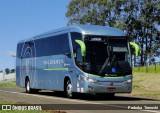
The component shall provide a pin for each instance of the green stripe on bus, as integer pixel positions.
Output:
(55, 69)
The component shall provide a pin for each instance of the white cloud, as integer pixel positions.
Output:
(11, 53)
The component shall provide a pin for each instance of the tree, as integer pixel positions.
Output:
(149, 14)
(96, 12)
(12, 71)
(138, 18)
(7, 70)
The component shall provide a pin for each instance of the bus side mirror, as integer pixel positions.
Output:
(135, 48)
(82, 46)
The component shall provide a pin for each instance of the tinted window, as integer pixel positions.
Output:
(19, 47)
(29, 49)
(26, 50)
(118, 42)
(75, 36)
(52, 45)
(44, 47)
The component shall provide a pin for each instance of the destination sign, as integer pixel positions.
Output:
(96, 39)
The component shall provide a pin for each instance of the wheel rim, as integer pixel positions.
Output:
(28, 86)
(69, 90)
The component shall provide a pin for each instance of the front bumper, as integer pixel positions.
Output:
(96, 84)
(109, 87)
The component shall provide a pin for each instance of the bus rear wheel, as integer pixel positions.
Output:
(29, 89)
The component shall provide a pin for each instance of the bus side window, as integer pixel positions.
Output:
(19, 49)
(74, 52)
(79, 58)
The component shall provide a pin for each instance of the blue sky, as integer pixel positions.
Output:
(21, 19)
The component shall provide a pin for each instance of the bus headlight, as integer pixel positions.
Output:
(91, 80)
(129, 80)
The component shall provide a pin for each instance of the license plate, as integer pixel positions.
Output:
(111, 89)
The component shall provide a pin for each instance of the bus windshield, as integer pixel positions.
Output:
(103, 52)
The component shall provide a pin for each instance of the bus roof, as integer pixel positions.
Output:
(98, 30)
(84, 29)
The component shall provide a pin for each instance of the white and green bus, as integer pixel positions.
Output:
(76, 59)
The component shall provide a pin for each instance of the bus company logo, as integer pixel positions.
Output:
(52, 61)
(6, 107)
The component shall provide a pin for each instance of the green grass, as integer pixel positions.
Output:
(8, 85)
(5, 102)
(146, 84)
(151, 69)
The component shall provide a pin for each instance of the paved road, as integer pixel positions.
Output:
(81, 103)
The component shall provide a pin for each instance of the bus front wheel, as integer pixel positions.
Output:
(68, 89)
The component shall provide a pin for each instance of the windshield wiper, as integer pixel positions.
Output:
(108, 59)
(104, 65)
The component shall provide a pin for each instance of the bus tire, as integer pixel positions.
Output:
(28, 89)
(27, 86)
(68, 89)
